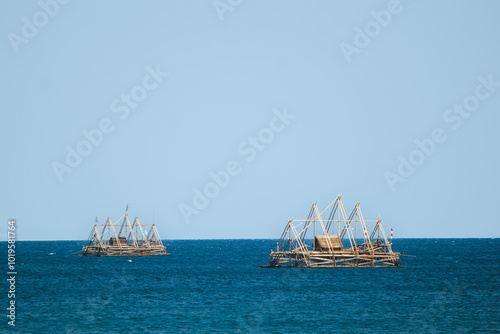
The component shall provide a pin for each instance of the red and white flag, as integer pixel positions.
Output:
(391, 233)
(366, 234)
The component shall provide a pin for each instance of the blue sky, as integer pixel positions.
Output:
(262, 90)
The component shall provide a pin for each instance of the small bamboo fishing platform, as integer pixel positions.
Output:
(344, 249)
(124, 239)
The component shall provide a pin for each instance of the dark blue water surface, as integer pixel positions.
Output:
(217, 286)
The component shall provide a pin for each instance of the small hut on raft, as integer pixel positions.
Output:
(342, 241)
(124, 239)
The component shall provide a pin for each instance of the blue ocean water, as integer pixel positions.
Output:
(217, 286)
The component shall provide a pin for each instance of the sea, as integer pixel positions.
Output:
(218, 286)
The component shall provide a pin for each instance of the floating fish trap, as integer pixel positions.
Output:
(124, 239)
(342, 241)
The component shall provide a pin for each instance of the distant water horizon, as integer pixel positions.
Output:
(180, 239)
(218, 286)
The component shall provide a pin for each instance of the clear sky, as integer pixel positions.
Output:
(394, 105)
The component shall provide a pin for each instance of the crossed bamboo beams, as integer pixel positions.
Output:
(355, 216)
(132, 230)
(293, 248)
(338, 260)
(147, 244)
(294, 245)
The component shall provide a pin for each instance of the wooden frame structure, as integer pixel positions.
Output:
(356, 243)
(124, 239)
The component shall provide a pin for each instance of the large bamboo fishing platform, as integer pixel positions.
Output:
(124, 239)
(342, 241)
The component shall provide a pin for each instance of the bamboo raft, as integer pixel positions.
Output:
(328, 250)
(131, 239)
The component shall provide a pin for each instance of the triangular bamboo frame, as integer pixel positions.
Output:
(131, 240)
(372, 250)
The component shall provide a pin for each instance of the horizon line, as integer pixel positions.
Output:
(201, 239)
